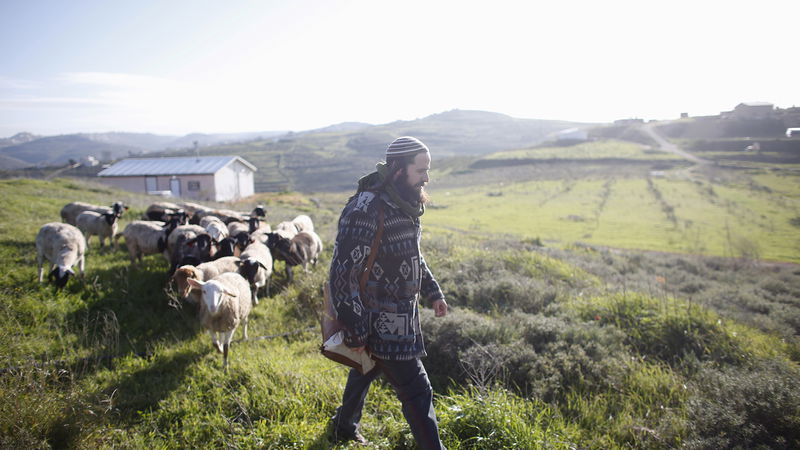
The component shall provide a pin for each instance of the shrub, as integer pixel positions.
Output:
(667, 329)
(536, 356)
(757, 407)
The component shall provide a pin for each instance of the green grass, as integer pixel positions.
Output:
(544, 347)
(605, 149)
(671, 213)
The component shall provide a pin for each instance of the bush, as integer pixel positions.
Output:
(536, 356)
(756, 407)
(668, 329)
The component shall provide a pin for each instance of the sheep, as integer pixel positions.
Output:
(202, 272)
(256, 266)
(259, 211)
(193, 208)
(145, 237)
(258, 229)
(225, 304)
(103, 225)
(305, 247)
(228, 215)
(164, 211)
(303, 223)
(234, 228)
(63, 245)
(70, 211)
(215, 227)
(286, 230)
(188, 244)
(232, 245)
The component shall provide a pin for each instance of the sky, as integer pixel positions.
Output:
(211, 66)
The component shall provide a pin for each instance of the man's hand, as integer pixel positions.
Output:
(440, 307)
(358, 349)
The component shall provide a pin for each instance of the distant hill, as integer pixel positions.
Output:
(27, 150)
(333, 158)
(325, 159)
(19, 138)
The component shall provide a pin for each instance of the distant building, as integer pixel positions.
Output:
(684, 115)
(750, 110)
(572, 134)
(793, 132)
(209, 178)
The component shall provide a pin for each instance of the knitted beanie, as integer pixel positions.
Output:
(405, 145)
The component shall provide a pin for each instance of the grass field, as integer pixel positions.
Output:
(545, 347)
(588, 151)
(747, 214)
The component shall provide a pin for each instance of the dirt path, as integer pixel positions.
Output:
(667, 146)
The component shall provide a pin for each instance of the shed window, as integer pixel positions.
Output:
(193, 185)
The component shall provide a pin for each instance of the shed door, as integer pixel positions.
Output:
(150, 184)
(175, 186)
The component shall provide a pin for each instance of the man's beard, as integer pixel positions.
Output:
(412, 194)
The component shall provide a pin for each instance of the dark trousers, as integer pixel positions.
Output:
(413, 388)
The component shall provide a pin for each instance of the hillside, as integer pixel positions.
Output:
(26, 150)
(332, 159)
(558, 348)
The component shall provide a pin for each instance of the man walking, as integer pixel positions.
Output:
(383, 318)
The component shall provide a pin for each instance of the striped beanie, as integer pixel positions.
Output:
(405, 145)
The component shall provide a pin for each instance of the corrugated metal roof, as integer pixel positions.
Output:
(171, 166)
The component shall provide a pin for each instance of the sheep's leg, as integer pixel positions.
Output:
(81, 263)
(289, 274)
(40, 261)
(226, 337)
(244, 329)
(254, 293)
(215, 341)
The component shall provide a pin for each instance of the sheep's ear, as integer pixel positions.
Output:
(227, 292)
(238, 263)
(195, 283)
(262, 265)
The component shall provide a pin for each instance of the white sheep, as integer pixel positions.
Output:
(202, 272)
(256, 266)
(215, 227)
(225, 304)
(70, 211)
(303, 223)
(63, 246)
(103, 225)
(145, 237)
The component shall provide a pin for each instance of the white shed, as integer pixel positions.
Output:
(209, 178)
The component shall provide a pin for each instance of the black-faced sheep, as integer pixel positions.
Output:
(63, 246)
(70, 211)
(225, 304)
(304, 248)
(164, 212)
(102, 225)
(256, 267)
(232, 245)
(188, 244)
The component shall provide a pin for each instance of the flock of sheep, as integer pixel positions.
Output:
(218, 258)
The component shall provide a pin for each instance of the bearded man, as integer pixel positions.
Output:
(383, 319)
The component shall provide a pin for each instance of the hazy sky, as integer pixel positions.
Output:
(175, 67)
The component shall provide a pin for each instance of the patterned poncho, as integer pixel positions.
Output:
(386, 317)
